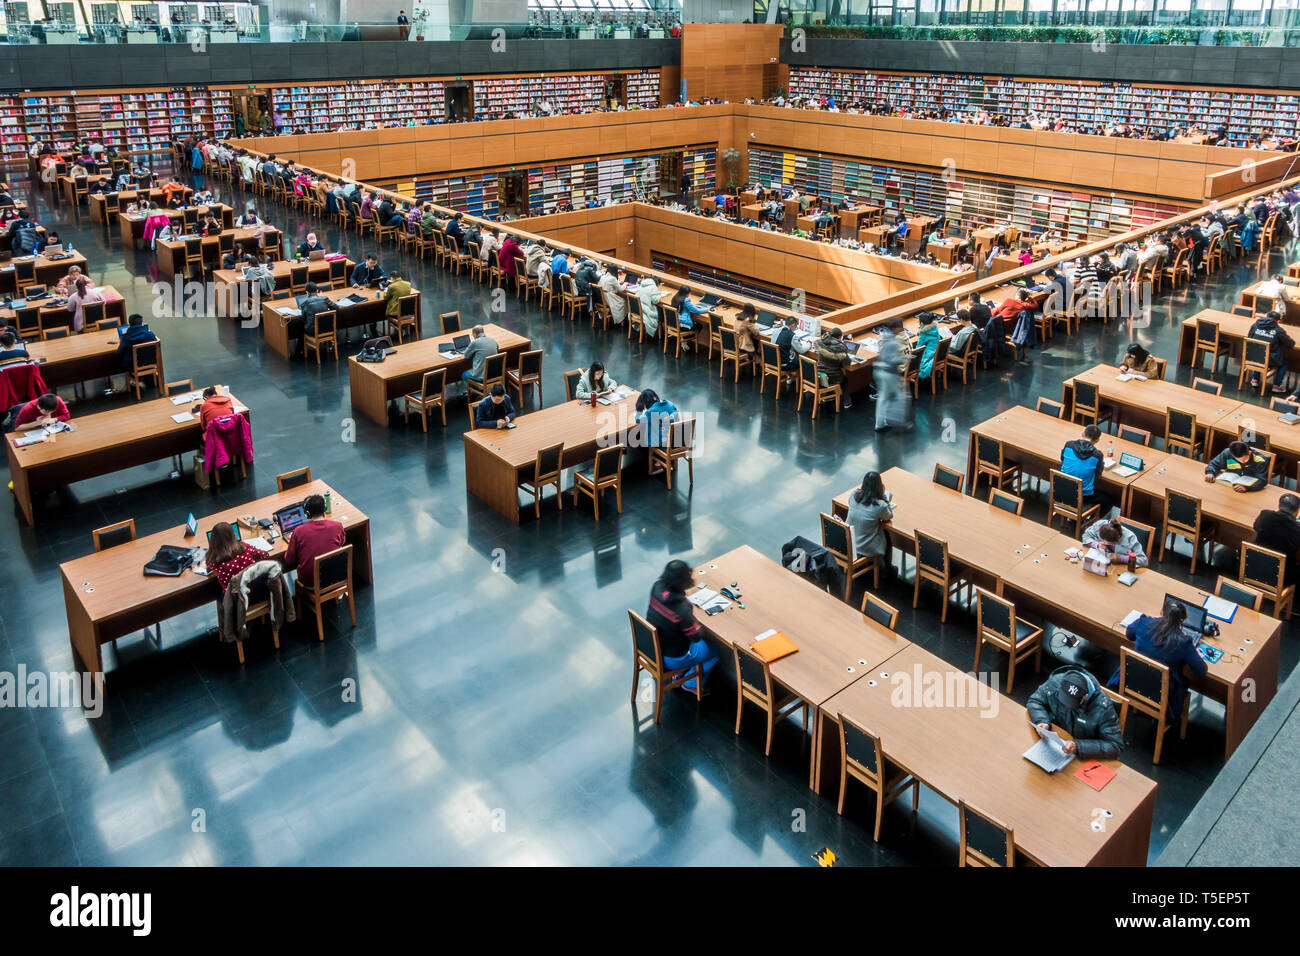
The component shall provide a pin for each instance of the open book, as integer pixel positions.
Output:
(1226, 478)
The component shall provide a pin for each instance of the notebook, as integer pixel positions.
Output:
(772, 645)
(1095, 774)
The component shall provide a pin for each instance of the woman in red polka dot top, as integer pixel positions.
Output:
(227, 555)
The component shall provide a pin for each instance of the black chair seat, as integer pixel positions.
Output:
(1024, 629)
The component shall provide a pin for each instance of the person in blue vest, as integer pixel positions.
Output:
(1081, 459)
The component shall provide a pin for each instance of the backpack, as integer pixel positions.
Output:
(26, 239)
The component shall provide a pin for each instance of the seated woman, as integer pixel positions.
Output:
(69, 281)
(227, 555)
(927, 339)
(594, 381)
(1162, 639)
(1138, 360)
(747, 334)
(869, 512)
(686, 309)
(657, 413)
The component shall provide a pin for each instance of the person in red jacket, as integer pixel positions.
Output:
(510, 249)
(1010, 309)
(314, 537)
(46, 410)
(214, 406)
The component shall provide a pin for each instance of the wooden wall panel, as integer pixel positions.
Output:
(730, 61)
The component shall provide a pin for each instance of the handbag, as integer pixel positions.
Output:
(170, 561)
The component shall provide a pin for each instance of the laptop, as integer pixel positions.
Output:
(767, 319)
(459, 344)
(710, 300)
(316, 254)
(300, 298)
(290, 517)
(53, 251)
(122, 329)
(233, 525)
(1194, 627)
(852, 346)
(1129, 464)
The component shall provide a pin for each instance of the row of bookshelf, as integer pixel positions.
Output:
(968, 202)
(1243, 112)
(736, 285)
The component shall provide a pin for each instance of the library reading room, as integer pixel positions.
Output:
(980, 321)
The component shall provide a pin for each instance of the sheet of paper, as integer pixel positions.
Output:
(1130, 617)
(186, 398)
(180, 418)
(261, 544)
(1218, 608)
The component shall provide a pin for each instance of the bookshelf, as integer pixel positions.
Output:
(738, 285)
(329, 106)
(643, 89)
(966, 201)
(1157, 108)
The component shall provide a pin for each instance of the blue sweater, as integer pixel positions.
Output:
(1175, 654)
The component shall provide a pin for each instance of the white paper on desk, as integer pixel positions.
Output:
(1107, 463)
(238, 409)
(180, 418)
(261, 544)
(1130, 377)
(450, 355)
(187, 397)
(706, 598)
(1218, 608)
(1129, 618)
(290, 313)
(1047, 753)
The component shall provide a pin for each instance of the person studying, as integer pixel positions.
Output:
(1240, 466)
(496, 410)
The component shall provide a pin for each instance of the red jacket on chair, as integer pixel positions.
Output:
(20, 384)
(226, 439)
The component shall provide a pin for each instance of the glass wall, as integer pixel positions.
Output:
(1105, 13)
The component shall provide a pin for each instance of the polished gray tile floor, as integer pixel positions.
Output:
(490, 722)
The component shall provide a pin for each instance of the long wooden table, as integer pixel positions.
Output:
(1034, 441)
(1233, 331)
(115, 308)
(106, 594)
(227, 282)
(837, 644)
(496, 459)
(1288, 307)
(48, 271)
(970, 748)
(170, 253)
(1245, 680)
(77, 358)
(102, 444)
(275, 326)
(131, 225)
(99, 207)
(374, 384)
(1144, 403)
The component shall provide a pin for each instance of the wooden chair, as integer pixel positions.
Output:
(984, 841)
(1134, 434)
(332, 579)
(548, 469)
(1230, 590)
(1144, 683)
(324, 335)
(298, 279)
(635, 320)
(146, 366)
(863, 759)
(28, 322)
(1208, 386)
(770, 365)
(1145, 534)
(1255, 357)
(55, 332)
(496, 277)
(877, 610)
(1006, 501)
(1183, 516)
(837, 539)
(478, 268)
(1265, 571)
(595, 479)
(1279, 405)
(1208, 342)
(293, 479)
(528, 374)
(731, 353)
(106, 323)
(948, 477)
(680, 447)
(1088, 406)
(939, 366)
(964, 359)
(258, 607)
(1213, 255)
(457, 258)
(673, 331)
(990, 460)
(1049, 407)
(996, 623)
(110, 536)
(934, 565)
(600, 313)
(432, 394)
(754, 683)
(407, 319)
(1180, 269)
(548, 291)
(1245, 311)
(912, 372)
(94, 315)
(1067, 502)
(181, 387)
(194, 255)
(1181, 433)
(450, 322)
(809, 384)
(494, 373)
(647, 656)
(525, 284)
(571, 303)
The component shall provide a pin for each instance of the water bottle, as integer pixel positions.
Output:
(329, 504)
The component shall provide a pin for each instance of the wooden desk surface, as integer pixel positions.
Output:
(334, 295)
(1158, 396)
(978, 534)
(243, 234)
(120, 588)
(837, 644)
(1184, 475)
(1283, 439)
(110, 294)
(1289, 306)
(423, 355)
(57, 268)
(573, 422)
(975, 754)
(1053, 579)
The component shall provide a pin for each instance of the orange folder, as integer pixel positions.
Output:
(1095, 774)
(773, 648)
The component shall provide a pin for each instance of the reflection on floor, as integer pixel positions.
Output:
(491, 721)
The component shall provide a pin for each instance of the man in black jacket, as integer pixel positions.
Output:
(1280, 531)
(671, 615)
(313, 305)
(1074, 700)
(1242, 462)
(367, 273)
(1268, 328)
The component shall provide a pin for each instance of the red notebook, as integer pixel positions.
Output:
(1095, 774)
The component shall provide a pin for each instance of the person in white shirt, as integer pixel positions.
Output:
(613, 292)
(489, 242)
(1273, 288)
(647, 290)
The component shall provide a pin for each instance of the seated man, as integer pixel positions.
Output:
(313, 305)
(1280, 531)
(681, 638)
(1074, 700)
(397, 288)
(367, 273)
(1117, 541)
(309, 245)
(833, 360)
(316, 536)
(496, 410)
(480, 347)
(46, 410)
(1268, 328)
(788, 345)
(137, 333)
(897, 233)
(12, 351)
(1240, 461)
(1081, 459)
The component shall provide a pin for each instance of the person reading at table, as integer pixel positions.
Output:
(1073, 699)
(227, 555)
(234, 257)
(681, 638)
(212, 226)
(1081, 459)
(833, 360)
(495, 410)
(367, 273)
(137, 333)
(481, 346)
(1138, 361)
(309, 245)
(1268, 328)
(594, 381)
(870, 510)
(1276, 530)
(1115, 541)
(397, 287)
(1163, 639)
(313, 305)
(12, 350)
(316, 536)
(214, 405)
(38, 413)
(77, 301)
(657, 414)
(1247, 468)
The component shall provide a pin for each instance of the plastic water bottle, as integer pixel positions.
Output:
(329, 503)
